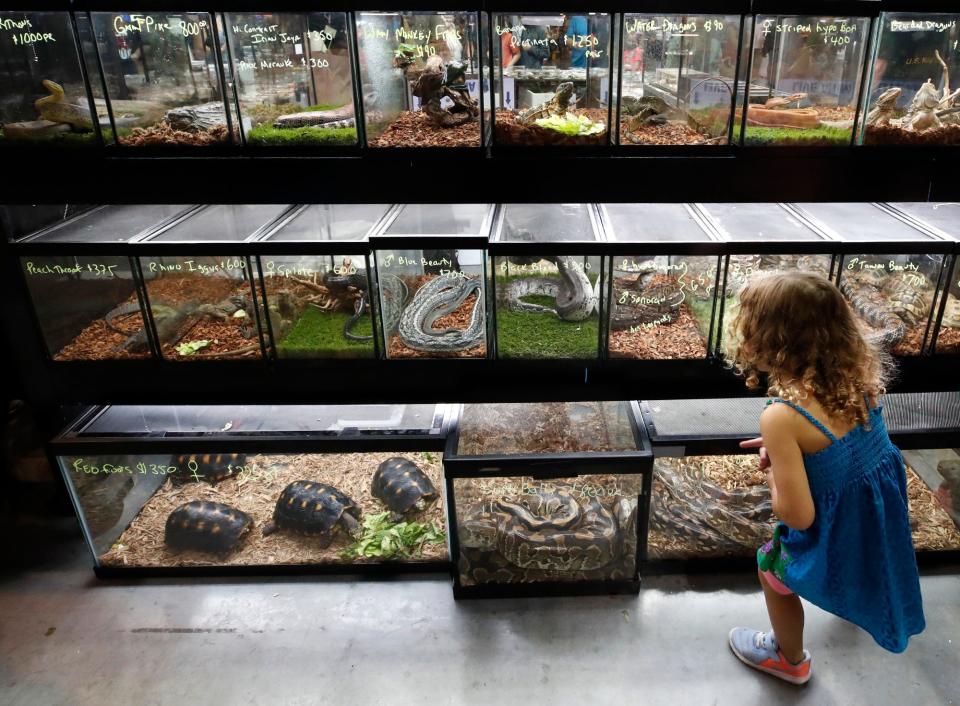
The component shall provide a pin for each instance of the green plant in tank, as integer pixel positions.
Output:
(570, 124)
(191, 347)
(383, 539)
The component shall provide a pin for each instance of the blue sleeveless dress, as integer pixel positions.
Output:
(857, 559)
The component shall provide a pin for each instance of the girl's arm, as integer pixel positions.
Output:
(790, 491)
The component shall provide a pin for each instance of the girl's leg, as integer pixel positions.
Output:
(786, 618)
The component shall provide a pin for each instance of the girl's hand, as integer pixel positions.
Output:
(758, 444)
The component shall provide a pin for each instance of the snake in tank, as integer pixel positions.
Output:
(547, 534)
(574, 296)
(436, 298)
(888, 303)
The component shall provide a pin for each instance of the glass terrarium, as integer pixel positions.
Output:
(316, 266)
(547, 281)
(163, 81)
(188, 488)
(547, 498)
(420, 74)
(709, 500)
(910, 99)
(43, 90)
(202, 305)
(891, 283)
(678, 79)
(763, 239)
(431, 275)
(84, 292)
(661, 302)
(552, 79)
(942, 219)
(294, 78)
(805, 76)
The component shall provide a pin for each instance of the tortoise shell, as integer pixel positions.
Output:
(209, 468)
(312, 508)
(206, 527)
(399, 483)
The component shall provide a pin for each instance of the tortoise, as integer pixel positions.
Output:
(314, 508)
(400, 485)
(210, 468)
(206, 527)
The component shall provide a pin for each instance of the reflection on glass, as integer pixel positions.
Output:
(294, 82)
(678, 80)
(911, 99)
(202, 307)
(41, 80)
(162, 79)
(805, 79)
(318, 306)
(662, 306)
(87, 307)
(432, 303)
(547, 307)
(552, 79)
(420, 74)
(892, 295)
(234, 509)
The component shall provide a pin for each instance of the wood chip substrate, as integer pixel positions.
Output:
(948, 341)
(911, 343)
(672, 133)
(163, 135)
(99, 342)
(507, 131)
(681, 338)
(256, 493)
(890, 135)
(415, 129)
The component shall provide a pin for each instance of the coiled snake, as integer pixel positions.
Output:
(575, 297)
(437, 298)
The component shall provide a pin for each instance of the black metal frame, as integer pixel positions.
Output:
(546, 466)
(70, 443)
(727, 445)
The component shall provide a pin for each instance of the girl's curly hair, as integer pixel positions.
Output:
(798, 329)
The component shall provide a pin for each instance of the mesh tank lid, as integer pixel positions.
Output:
(942, 217)
(860, 221)
(667, 222)
(440, 219)
(547, 223)
(112, 224)
(331, 221)
(192, 421)
(757, 222)
(233, 223)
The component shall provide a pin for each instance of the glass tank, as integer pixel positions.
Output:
(163, 82)
(548, 306)
(87, 305)
(662, 304)
(420, 73)
(891, 292)
(169, 506)
(910, 99)
(43, 92)
(433, 298)
(805, 75)
(329, 295)
(710, 501)
(546, 494)
(294, 78)
(678, 79)
(762, 224)
(203, 306)
(552, 79)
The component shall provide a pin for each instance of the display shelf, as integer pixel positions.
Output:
(709, 502)
(138, 475)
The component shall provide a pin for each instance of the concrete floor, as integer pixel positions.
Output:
(67, 638)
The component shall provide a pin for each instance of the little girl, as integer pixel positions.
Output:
(837, 483)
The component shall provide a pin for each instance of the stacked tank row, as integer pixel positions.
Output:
(517, 281)
(321, 80)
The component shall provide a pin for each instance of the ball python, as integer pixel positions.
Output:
(549, 535)
(706, 518)
(436, 298)
(575, 297)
